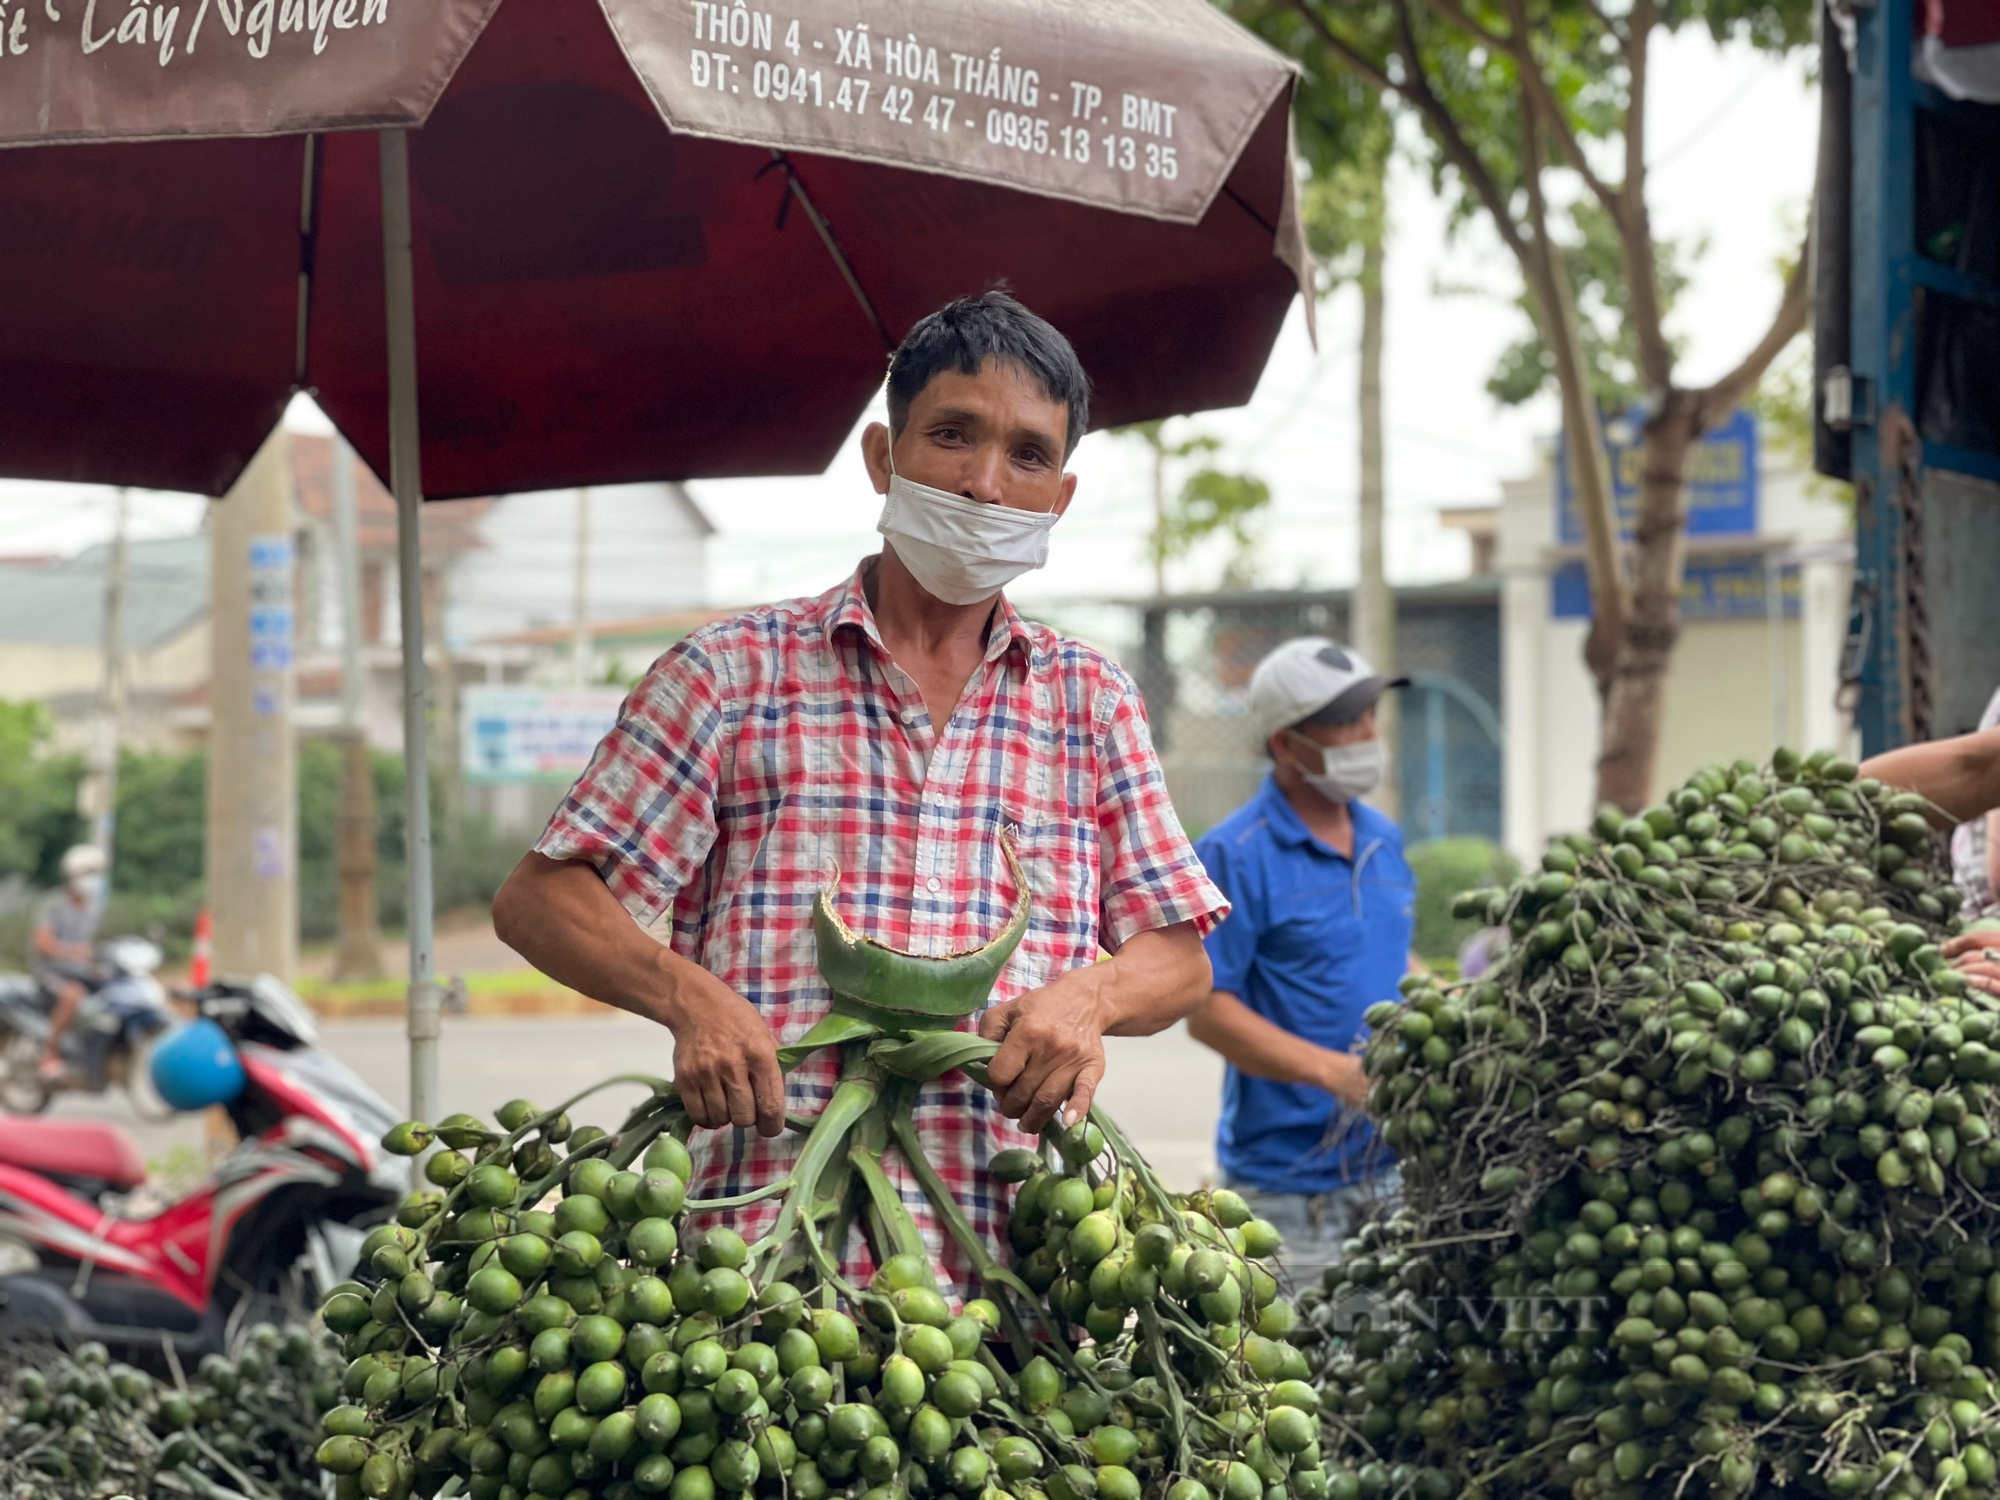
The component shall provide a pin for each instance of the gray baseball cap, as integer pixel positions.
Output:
(1314, 680)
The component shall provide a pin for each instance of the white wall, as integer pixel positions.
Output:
(70, 679)
(647, 556)
(1728, 687)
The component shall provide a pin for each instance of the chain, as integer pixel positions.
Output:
(1909, 455)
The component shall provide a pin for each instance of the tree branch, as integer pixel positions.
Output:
(1637, 41)
(1604, 18)
(1519, 44)
(1417, 91)
(1460, 17)
(1548, 280)
(1350, 54)
(1714, 404)
(1645, 307)
(1454, 141)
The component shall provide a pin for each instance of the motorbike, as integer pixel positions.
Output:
(122, 1012)
(84, 1254)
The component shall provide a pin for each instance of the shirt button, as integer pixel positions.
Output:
(933, 885)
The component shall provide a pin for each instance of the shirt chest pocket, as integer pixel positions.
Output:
(1314, 922)
(1060, 857)
(1388, 899)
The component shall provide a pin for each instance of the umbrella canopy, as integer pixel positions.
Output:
(632, 239)
(649, 240)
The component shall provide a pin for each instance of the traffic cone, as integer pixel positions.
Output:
(198, 961)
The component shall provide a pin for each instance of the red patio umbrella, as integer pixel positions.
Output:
(631, 239)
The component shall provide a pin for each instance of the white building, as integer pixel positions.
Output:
(647, 555)
(52, 622)
(499, 586)
(1745, 676)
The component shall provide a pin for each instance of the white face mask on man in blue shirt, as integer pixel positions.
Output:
(1347, 772)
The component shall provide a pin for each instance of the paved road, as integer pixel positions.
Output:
(1164, 1090)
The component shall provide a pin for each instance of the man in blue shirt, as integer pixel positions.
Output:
(1323, 908)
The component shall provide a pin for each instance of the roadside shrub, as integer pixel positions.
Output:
(1443, 868)
(157, 879)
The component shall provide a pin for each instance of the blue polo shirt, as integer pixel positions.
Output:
(1314, 938)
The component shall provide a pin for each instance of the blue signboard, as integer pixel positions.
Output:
(1712, 588)
(1721, 475)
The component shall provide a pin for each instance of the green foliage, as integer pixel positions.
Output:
(1452, 69)
(1211, 502)
(1444, 868)
(1603, 305)
(38, 809)
(469, 859)
(1345, 137)
(162, 813)
(1346, 212)
(157, 877)
(1339, 117)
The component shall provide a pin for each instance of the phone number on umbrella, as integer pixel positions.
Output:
(1126, 133)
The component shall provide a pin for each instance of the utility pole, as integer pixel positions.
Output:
(358, 956)
(252, 844)
(580, 645)
(112, 723)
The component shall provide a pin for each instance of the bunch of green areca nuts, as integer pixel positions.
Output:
(80, 1424)
(1703, 1176)
(555, 1318)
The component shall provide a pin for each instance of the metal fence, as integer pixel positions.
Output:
(1192, 656)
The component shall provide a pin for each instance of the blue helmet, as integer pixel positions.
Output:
(197, 1066)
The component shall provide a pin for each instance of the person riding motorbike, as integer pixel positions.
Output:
(60, 947)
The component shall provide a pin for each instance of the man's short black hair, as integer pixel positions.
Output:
(964, 334)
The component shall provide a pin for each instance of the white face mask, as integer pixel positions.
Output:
(959, 550)
(1346, 771)
(85, 887)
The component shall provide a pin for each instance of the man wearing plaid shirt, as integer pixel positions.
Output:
(891, 729)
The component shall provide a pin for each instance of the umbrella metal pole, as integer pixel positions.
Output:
(406, 479)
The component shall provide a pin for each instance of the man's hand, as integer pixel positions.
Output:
(558, 915)
(1342, 1077)
(1976, 955)
(725, 1058)
(1051, 1050)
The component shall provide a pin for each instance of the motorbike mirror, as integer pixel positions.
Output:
(276, 1003)
(220, 1005)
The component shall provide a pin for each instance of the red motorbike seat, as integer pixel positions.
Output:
(71, 1148)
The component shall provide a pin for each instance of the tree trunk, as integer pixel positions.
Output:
(450, 782)
(1633, 711)
(1374, 623)
(358, 955)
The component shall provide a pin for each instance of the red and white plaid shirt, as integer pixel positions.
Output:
(764, 751)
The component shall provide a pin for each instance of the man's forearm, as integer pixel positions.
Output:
(561, 918)
(1260, 1047)
(1153, 980)
(1961, 775)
